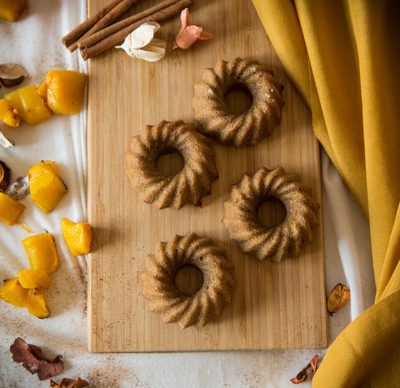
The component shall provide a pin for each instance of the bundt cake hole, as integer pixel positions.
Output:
(170, 162)
(189, 279)
(238, 99)
(271, 212)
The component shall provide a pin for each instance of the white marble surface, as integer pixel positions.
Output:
(34, 42)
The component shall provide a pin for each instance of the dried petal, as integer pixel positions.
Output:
(12, 74)
(307, 371)
(141, 43)
(76, 382)
(34, 361)
(338, 298)
(189, 34)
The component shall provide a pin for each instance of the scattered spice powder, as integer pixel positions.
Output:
(76, 382)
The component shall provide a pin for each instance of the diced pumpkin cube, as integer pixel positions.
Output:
(29, 105)
(45, 185)
(78, 236)
(34, 278)
(11, 10)
(36, 304)
(41, 252)
(42, 90)
(65, 91)
(10, 210)
(12, 292)
(8, 115)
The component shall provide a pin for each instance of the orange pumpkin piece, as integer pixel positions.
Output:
(41, 252)
(36, 304)
(12, 292)
(8, 115)
(34, 278)
(11, 10)
(65, 91)
(10, 210)
(45, 185)
(31, 107)
(78, 236)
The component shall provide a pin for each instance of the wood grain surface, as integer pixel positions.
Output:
(275, 305)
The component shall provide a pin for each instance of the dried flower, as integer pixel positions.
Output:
(189, 34)
(34, 361)
(307, 371)
(338, 298)
(141, 43)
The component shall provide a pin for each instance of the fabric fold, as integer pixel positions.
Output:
(352, 86)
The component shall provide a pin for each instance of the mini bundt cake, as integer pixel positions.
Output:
(190, 184)
(158, 280)
(246, 128)
(283, 240)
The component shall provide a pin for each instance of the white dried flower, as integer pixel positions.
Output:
(141, 43)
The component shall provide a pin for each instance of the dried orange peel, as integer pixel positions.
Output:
(338, 298)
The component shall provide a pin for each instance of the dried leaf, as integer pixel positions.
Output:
(338, 298)
(307, 371)
(34, 360)
(76, 382)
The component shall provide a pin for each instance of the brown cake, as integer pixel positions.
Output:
(190, 184)
(278, 242)
(246, 128)
(158, 280)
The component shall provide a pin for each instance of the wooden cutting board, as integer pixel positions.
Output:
(278, 305)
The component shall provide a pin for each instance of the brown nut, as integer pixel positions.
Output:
(12, 74)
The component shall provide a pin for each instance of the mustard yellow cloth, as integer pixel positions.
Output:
(344, 58)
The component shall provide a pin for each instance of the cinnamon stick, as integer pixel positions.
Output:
(119, 36)
(105, 32)
(80, 29)
(121, 7)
